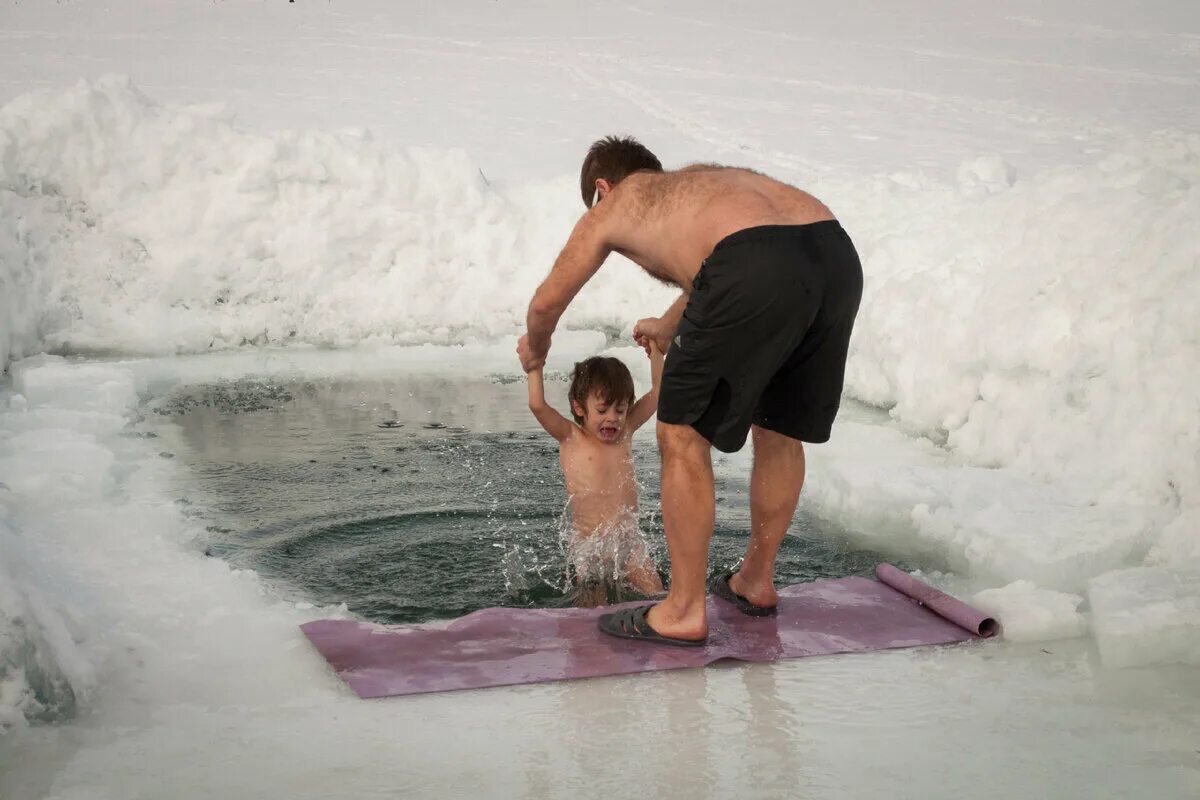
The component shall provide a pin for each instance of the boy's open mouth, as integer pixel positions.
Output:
(609, 431)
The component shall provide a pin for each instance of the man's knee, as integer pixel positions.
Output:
(775, 442)
(680, 441)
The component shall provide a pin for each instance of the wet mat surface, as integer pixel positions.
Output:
(507, 646)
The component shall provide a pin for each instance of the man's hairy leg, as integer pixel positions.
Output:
(688, 508)
(775, 483)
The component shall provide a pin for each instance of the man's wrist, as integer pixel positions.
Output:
(539, 345)
(540, 326)
(673, 316)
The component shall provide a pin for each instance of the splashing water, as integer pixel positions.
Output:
(582, 570)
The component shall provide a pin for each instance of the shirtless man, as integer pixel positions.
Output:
(757, 341)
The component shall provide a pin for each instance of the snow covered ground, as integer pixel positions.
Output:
(1022, 182)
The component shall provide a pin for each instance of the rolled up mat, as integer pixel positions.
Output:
(507, 646)
(942, 604)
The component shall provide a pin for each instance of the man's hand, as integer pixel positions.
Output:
(529, 359)
(653, 329)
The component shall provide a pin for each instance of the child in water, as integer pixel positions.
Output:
(596, 454)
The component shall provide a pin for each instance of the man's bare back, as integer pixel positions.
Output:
(668, 222)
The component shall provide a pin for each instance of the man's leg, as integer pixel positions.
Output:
(688, 509)
(775, 483)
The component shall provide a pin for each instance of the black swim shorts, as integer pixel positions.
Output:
(764, 336)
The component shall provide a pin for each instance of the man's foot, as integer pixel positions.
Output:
(632, 623)
(669, 621)
(754, 601)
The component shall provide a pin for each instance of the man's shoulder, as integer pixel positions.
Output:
(644, 180)
(640, 191)
(637, 183)
(644, 185)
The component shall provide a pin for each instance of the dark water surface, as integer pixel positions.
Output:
(455, 504)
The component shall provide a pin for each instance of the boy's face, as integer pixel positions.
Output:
(602, 419)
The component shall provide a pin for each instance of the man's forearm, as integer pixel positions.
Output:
(540, 323)
(675, 313)
(579, 259)
(656, 370)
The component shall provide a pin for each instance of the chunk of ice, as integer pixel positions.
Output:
(1030, 614)
(1146, 615)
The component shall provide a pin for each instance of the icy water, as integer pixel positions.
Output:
(415, 498)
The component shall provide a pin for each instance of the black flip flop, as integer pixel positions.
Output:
(720, 588)
(630, 623)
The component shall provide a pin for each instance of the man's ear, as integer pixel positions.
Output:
(603, 187)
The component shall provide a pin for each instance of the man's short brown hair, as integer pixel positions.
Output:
(605, 375)
(614, 158)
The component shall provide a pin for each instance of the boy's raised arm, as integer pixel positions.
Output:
(647, 404)
(555, 423)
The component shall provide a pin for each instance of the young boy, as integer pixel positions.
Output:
(597, 462)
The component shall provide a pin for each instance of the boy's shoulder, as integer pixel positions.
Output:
(580, 437)
(573, 436)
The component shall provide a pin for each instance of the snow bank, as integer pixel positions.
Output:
(907, 497)
(135, 227)
(43, 674)
(52, 458)
(1046, 323)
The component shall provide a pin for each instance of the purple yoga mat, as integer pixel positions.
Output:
(941, 603)
(507, 646)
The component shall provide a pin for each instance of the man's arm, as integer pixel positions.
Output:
(673, 314)
(555, 423)
(647, 404)
(582, 255)
(660, 329)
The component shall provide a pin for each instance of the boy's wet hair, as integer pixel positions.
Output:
(605, 375)
(614, 159)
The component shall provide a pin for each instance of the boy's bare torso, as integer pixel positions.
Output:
(669, 222)
(600, 482)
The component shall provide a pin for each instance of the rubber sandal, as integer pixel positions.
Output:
(630, 623)
(720, 588)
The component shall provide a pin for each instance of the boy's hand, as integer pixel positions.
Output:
(529, 359)
(653, 329)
